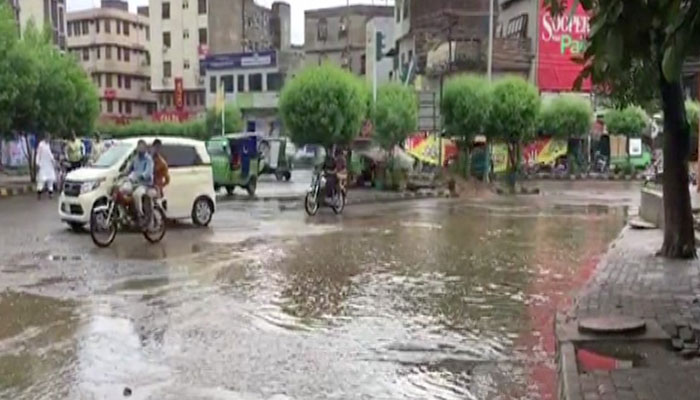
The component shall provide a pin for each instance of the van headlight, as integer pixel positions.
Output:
(89, 186)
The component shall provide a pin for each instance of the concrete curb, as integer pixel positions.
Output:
(16, 190)
(567, 372)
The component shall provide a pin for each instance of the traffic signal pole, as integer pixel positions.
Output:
(374, 64)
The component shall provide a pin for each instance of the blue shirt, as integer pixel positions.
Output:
(142, 169)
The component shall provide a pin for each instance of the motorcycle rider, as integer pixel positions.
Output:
(334, 169)
(141, 175)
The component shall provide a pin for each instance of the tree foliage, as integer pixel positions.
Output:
(692, 110)
(232, 119)
(515, 105)
(324, 105)
(566, 116)
(630, 121)
(395, 115)
(465, 106)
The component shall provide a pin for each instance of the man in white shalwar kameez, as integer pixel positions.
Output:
(46, 175)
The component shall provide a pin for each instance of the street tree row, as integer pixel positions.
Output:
(43, 90)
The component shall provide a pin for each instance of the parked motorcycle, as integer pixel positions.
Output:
(119, 213)
(316, 196)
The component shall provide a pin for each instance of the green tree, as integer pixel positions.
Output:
(324, 105)
(232, 119)
(567, 117)
(664, 34)
(465, 108)
(630, 121)
(395, 115)
(692, 110)
(515, 106)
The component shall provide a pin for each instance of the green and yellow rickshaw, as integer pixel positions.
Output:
(235, 161)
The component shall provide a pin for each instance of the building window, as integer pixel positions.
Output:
(86, 28)
(86, 54)
(517, 27)
(96, 79)
(241, 83)
(185, 33)
(148, 33)
(98, 52)
(127, 55)
(108, 52)
(201, 98)
(119, 53)
(212, 84)
(186, 64)
(119, 81)
(70, 29)
(165, 11)
(255, 83)
(406, 6)
(128, 107)
(166, 39)
(108, 80)
(322, 30)
(127, 82)
(126, 28)
(119, 27)
(108, 26)
(227, 81)
(121, 106)
(202, 35)
(397, 10)
(274, 82)
(97, 26)
(363, 66)
(110, 106)
(167, 69)
(202, 7)
(343, 28)
(185, 4)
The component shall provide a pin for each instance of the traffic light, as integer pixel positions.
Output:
(379, 38)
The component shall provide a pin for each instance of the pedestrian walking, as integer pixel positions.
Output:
(46, 164)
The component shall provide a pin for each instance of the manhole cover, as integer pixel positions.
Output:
(612, 324)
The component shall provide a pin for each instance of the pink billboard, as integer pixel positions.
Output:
(562, 39)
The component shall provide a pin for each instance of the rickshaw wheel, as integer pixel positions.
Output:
(252, 185)
(287, 176)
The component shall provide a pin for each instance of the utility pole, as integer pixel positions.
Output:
(489, 56)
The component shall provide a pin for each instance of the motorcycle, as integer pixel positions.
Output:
(119, 213)
(316, 196)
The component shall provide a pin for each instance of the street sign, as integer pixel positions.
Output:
(379, 46)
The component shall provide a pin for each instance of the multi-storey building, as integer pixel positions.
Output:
(49, 13)
(179, 39)
(339, 35)
(112, 46)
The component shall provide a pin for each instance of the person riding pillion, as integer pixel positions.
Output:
(161, 176)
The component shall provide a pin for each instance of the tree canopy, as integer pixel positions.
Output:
(465, 106)
(515, 106)
(324, 105)
(692, 109)
(630, 121)
(566, 116)
(232, 119)
(395, 115)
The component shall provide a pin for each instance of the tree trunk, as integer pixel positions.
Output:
(31, 158)
(513, 157)
(679, 238)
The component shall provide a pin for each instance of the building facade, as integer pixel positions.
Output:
(51, 13)
(244, 26)
(179, 39)
(339, 35)
(112, 45)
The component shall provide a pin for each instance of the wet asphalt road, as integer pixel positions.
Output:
(416, 300)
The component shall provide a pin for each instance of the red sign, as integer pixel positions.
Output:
(110, 93)
(170, 116)
(562, 40)
(179, 94)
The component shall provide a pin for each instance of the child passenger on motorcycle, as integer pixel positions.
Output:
(335, 170)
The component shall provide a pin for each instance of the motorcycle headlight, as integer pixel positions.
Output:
(89, 186)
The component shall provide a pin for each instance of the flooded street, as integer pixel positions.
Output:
(434, 299)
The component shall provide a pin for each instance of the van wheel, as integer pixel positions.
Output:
(202, 211)
(252, 185)
(229, 189)
(287, 176)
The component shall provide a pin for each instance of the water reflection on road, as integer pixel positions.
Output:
(429, 301)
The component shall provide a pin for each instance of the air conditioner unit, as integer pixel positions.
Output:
(165, 49)
(166, 81)
(200, 80)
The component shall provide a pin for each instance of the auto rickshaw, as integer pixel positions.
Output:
(273, 158)
(235, 161)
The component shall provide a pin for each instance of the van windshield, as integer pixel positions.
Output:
(217, 148)
(113, 155)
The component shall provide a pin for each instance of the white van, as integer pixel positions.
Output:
(190, 193)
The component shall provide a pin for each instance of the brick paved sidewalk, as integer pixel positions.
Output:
(632, 281)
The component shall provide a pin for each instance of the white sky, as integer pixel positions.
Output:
(298, 8)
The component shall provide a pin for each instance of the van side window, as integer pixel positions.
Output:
(180, 155)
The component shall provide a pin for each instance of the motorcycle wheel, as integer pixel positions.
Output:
(311, 204)
(102, 231)
(156, 234)
(338, 202)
